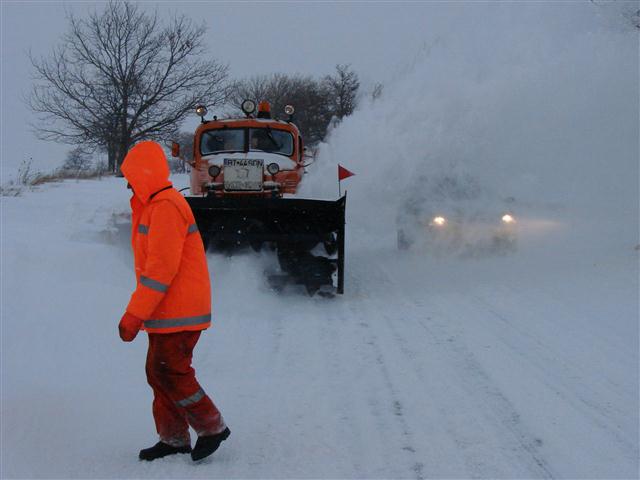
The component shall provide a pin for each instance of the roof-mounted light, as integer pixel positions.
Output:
(264, 109)
(248, 107)
(201, 110)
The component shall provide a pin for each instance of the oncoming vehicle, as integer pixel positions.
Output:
(244, 177)
(452, 214)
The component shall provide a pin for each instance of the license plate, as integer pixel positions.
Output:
(243, 173)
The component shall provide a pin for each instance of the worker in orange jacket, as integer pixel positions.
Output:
(172, 302)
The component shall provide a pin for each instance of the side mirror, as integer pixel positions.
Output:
(175, 149)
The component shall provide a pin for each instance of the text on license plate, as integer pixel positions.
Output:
(243, 173)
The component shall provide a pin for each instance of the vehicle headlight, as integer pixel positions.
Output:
(214, 170)
(438, 221)
(273, 168)
(507, 218)
(248, 107)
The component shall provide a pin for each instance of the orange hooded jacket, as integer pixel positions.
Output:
(173, 291)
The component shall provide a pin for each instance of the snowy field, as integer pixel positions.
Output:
(520, 364)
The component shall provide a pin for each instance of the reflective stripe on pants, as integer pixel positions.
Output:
(195, 398)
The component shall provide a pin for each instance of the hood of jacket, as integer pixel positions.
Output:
(146, 168)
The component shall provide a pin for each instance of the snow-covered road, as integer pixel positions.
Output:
(520, 366)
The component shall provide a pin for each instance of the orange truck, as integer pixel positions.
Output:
(245, 175)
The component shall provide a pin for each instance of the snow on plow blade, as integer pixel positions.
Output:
(295, 226)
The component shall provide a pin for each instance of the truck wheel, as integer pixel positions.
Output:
(330, 244)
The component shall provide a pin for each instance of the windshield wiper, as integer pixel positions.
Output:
(273, 140)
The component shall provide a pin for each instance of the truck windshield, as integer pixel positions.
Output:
(270, 140)
(225, 140)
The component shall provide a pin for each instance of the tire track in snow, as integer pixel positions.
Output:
(476, 380)
(472, 377)
(458, 431)
(605, 416)
(333, 335)
(395, 404)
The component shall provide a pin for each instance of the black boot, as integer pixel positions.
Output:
(160, 450)
(208, 444)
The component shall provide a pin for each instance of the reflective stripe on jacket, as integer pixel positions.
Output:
(173, 291)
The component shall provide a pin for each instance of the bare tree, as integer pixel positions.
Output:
(342, 90)
(120, 76)
(77, 160)
(179, 165)
(276, 89)
(306, 94)
(313, 113)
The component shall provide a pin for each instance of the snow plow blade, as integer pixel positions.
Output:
(294, 226)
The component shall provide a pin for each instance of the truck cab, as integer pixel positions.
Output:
(252, 156)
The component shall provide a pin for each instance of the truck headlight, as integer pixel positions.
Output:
(273, 168)
(507, 218)
(214, 170)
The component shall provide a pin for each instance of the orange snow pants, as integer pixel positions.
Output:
(178, 398)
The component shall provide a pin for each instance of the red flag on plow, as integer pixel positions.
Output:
(343, 173)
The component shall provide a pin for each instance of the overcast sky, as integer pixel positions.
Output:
(380, 40)
(306, 38)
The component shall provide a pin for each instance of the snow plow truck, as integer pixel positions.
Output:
(245, 175)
